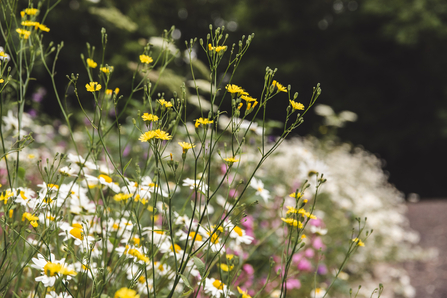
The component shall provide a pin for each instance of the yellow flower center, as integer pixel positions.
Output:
(51, 269)
(218, 284)
(238, 231)
(105, 177)
(77, 233)
(176, 247)
(198, 237)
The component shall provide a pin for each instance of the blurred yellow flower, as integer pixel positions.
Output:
(126, 293)
(149, 117)
(165, 103)
(234, 88)
(359, 242)
(23, 33)
(106, 69)
(93, 86)
(146, 59)
(296, 105)
(293, 222)
(217, 49)
(231, 160)
(91, 63)
(202, 121)
(31, 11)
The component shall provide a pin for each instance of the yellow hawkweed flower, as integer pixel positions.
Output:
(186, 146)
(157, 134)
(293, 222)
(217, 49)
(296, 195)
(31, 11)
(244, 293)
(296, 105)
(121, 197)
(1, 81)
(110, 91)
(248, 98)
(240, 105)
(165, 103)
(42, 27)
(202, 121)
(30, 24)
(359, 242)
(146, 59)
(279, 86)
(106, 69)
(11, 213)
(291, 209)
(234, 88)
(91, 63)
(93, 86)
(31, 218)
(5, 196)
(149, 117)
(23, 33)
(226, 268)
(231, 160)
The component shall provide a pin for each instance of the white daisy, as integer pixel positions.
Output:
(216, 288)
(259, 186)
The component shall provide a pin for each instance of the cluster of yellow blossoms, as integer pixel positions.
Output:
(25, 34)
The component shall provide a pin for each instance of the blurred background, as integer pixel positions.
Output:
(382, 60)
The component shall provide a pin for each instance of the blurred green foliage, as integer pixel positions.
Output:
(383, 60)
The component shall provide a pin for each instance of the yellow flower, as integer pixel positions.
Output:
(226, 268)
(44, 28)
(106, 69)
(202, 121)
(295, 195)
(93, 86)
(234, 88)
(91, 63)
(146, 59)
(165, 103)
(149, 117)
(291, 209)
(279, 86)
(231, 160)
(217, 49)
(359, 242)
(186, 146)
(110, 91)
(296, 105)
(31, 11)
(2, 54)
(126, 293)
(30, 24)
(293, 222)
(248, 98)
(244, 293)
(31, 218)
(23, 33)
(1, 81)
(155, 134)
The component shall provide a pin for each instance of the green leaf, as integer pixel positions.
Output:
(187, 293)
(185, 281)
(125, 167)
(199, 264)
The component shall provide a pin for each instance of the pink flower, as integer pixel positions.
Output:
(317, 243)
(293, 284)
(304, 265)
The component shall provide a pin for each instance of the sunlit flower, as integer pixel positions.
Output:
(155, 134)
(23, 33)
(217, 49)
(149, 117)
(248, 98)
(203, 121)
(296, 105)
(216, 288)
(279, 86)
(126, 293)
(358, 242)
(106, 69)
(31, 218)
(231, 160)
(186, 146)
(31, 11)
(244, 293)
(239, 235)
(42, 27)
(52, 269)
(259, 186)
(293, 222)
(234, 88)
(91, 63)
(146, 59)
(104, 180)
(93, 86)
(165, 103)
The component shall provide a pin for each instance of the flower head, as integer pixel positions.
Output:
(93, 86)
(165, 103)
(91, 63)
(293, 222)
(146, 59)
(296, 105)
(279, 86)
(186, 146)
(149, 117)
(155, 134)
(126, 293)
(358, 241)
(217, 49)
(106, 69)
(30, 11)
(23, 33)
(231, 160)
(234, 88)
(202, 121)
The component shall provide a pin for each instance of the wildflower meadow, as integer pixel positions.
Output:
(190, 192)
